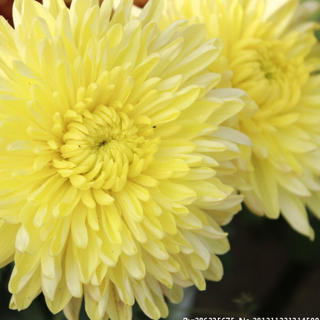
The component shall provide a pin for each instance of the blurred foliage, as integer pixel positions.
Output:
(245, 304)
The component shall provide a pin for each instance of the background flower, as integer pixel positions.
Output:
(111, 158)
(271, 50)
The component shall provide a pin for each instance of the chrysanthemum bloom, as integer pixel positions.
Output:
(270, 47)
(111, 152)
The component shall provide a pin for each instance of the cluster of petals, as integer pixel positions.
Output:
(272, 54)
(114, 160)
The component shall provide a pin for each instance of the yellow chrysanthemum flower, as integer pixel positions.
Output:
(269, 45)
(111, 153)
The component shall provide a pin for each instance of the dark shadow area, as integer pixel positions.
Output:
(270, 271)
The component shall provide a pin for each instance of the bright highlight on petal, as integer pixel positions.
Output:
(115, 168)
(270, 48)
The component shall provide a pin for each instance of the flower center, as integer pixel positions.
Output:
(263, 69)
(272, 62)
(102, 148)
(103, 143)
(273, 78)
